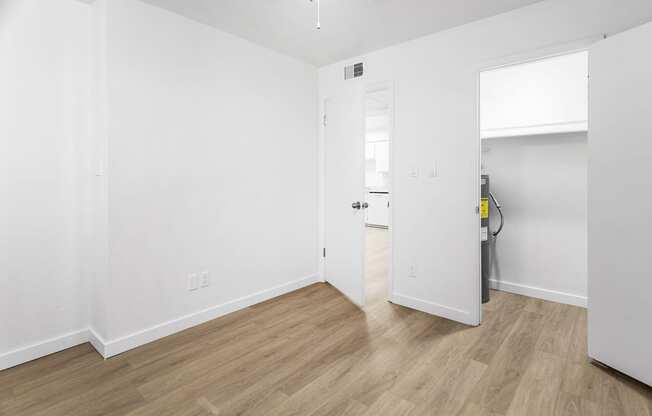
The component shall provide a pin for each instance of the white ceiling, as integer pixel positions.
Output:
(349, 27)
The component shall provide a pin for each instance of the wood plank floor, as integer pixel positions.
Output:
(311, 352)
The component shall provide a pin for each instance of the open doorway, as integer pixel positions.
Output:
(357, 192)
(533, 130)
(378, 104)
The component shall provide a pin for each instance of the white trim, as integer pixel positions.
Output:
(537, 292)
(477, 307)
(97, 342)
(363, 193)
(321, 236)
(114, 347)
(546, 52)
(431, 308)
(153, 333)
(41, 349)
(536, 130)
(390, 87)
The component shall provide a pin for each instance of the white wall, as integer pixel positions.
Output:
(436, 119)
(139, 147)
(541, 183)
(44, 97)
(211, 166)
(205, 149)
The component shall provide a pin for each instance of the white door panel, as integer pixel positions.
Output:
(620, 203)
(344, 174)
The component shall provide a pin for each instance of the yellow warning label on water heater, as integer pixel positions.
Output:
(484, 208)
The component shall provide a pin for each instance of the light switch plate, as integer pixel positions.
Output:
(205, 279)
(193, 282)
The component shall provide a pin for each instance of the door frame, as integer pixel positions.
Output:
(389, 86)
(568, 48)
(364, 87)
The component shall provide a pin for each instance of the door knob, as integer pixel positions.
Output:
(356, 205)
(365, 205)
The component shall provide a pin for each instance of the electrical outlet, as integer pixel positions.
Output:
(205, 279)
(412, 272)
(193, 282)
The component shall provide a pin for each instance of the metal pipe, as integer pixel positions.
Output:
(498, 207)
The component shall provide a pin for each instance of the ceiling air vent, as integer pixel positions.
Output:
(353, 71)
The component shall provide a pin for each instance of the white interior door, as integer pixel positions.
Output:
(344, 158)
(620, 203)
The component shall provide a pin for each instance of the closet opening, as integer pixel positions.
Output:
(533, 185)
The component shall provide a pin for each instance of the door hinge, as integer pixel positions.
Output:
(477, 209)
(324, 252)
(324, 119)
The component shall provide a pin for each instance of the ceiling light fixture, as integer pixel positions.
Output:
(318, 17)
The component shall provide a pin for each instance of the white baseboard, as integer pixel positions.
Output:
(97, 342)
(537, 292)
(433, 308)
(117, 346)
(114, 347)
(41, 349)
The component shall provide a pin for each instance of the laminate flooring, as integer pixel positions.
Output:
(313, 353)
